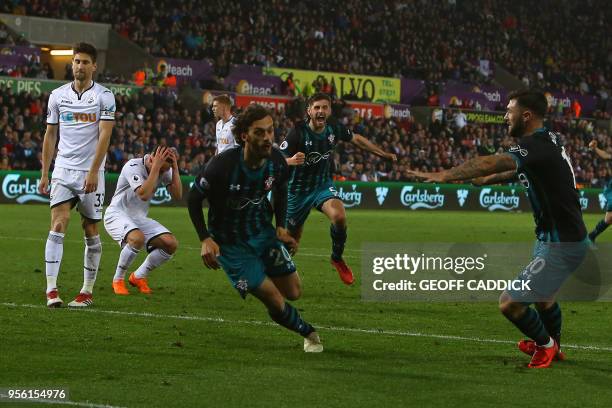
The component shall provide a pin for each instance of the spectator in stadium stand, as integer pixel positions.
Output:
(140, 77)
(170, 80)
(576, 108)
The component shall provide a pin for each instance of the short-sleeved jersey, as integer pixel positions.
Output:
(133, 175)
(225, 137)
(545, 170)
(238, 196)
(79, 116)
(318, 149)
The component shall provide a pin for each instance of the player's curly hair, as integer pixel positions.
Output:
(85, 48)
(244, 121)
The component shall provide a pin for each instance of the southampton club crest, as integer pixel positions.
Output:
(268, 183)
(331, 138)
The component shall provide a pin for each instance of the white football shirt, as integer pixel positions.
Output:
(79, 117)
(133, 175)
(225, 137)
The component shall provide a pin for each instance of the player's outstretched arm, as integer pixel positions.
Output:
(474, 168)
(106, 130)
(47, 155)
(504, 177)
(363, 143)
(176, 187)
(601, 153)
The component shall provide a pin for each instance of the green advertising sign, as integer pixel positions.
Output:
(40, 86)
(21, 188)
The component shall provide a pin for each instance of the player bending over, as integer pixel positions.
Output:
(241, 238)
(84, 111)
(310, 182)
(126, 218)
(541, 164)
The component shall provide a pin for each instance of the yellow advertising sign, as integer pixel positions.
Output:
(377, 89)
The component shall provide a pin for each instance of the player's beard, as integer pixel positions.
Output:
(517, 129)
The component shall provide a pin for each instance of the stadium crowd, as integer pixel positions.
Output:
(156, 117)
(432, 40)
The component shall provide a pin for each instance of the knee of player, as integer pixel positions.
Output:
(59, 224)
(339, 219)
(136, 239)
(170, 244)
(608, 218)
(509, 308)
(294, 293)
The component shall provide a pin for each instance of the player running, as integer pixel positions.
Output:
(241, 238)
(607, 220)
(84, 111)
(222, 109)
(310, 182)
(126, 218)
(543, 167)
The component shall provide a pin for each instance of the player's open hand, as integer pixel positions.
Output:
(91, 182)
(283, 235)
(210, 252)
(428, 177)
(593, 144)
(297, 159)
(160, 155)
(43, 185)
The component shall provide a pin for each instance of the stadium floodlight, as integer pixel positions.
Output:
(57, 53)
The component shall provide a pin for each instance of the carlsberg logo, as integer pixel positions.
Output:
(421, 199)
(584, 201)
(350, 198)
(498, 200)
(21, 191)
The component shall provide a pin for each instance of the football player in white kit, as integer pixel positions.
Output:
(126, 218)
(84, 112)
(222, 109)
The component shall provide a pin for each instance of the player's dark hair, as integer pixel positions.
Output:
(534, 101)
(319, 96)
(224, 99)
(243, 122)
(85, 48)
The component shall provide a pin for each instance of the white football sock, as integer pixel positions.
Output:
(156, 258)
(54, 250)
(91, 261)
(126, 257)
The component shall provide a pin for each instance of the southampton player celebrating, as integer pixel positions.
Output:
(241, 238)
(222, 109)
(310, 183)
(85, 114)
(126, 218)
(603, 224)
(542, 166)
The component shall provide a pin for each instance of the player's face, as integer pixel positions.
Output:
(318, 112)
(515, 118)
(218, 109)
(261, 137)
(83, 67)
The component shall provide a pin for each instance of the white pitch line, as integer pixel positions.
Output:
(398, 333)
(190, 248)
(71, 403)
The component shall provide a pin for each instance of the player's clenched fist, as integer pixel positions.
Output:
(210, 252)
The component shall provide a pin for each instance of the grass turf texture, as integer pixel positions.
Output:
(228, 355)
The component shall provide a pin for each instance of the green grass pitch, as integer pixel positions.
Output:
(196, 343)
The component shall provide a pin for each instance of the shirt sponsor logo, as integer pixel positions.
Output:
(77, 117)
